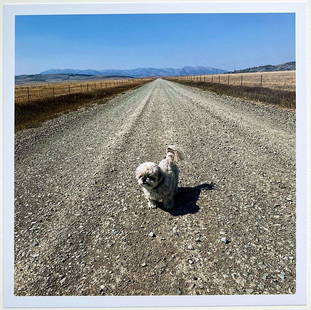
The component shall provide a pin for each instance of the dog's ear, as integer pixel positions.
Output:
(138, 172)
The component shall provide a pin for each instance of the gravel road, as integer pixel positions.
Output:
(82, 224)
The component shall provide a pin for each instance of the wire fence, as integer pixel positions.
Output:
(29, 93)
(284, 80)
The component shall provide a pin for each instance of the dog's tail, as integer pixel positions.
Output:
(174, 153)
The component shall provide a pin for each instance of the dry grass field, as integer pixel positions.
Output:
(49, 101)
(33, 92)
(281, 80)
(278, 87)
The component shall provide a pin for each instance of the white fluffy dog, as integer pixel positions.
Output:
(160, 182)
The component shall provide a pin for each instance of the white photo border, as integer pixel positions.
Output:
(10, 11)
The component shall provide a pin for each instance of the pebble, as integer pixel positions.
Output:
(190, 247)
(62, 280)
(151, 234)
(225, 240)
(178, 291)
(143, 264)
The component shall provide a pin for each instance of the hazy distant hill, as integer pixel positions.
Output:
(59, 77)
(282, 67)
(140, 72)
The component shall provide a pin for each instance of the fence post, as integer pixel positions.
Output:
(212, 78)
(261, 80)
(241, 80)
(87, 87)
(53, 92)
(228, 78)
(219, 79)
(81, 88)
(28, 93)
(69, 89)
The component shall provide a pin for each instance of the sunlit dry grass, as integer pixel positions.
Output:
(282, 80)
(32, 92)
(33, 113)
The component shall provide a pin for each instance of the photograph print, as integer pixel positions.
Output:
(155, 154)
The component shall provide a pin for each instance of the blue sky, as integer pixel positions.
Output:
(225, 41)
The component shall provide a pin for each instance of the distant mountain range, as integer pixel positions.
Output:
(140, 72)
(282, 67)
(60, 75)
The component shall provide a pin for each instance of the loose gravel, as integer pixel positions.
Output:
(82, 224)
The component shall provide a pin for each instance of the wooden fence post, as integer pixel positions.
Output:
(28, 94)
(219, 79)
(69, 89)
(261, 80)
(228, 78)
(241, 80)
(212, 78)
(53, 92)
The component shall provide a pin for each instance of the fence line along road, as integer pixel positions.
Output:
(285, 80)
(25, 94)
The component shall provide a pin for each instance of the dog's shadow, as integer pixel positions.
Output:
(186, 199)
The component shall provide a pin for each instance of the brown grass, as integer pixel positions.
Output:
(283, 98)
(33, 113)
(283, 80)
(31, 92)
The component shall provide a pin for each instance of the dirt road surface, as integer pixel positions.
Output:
(82, 224)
